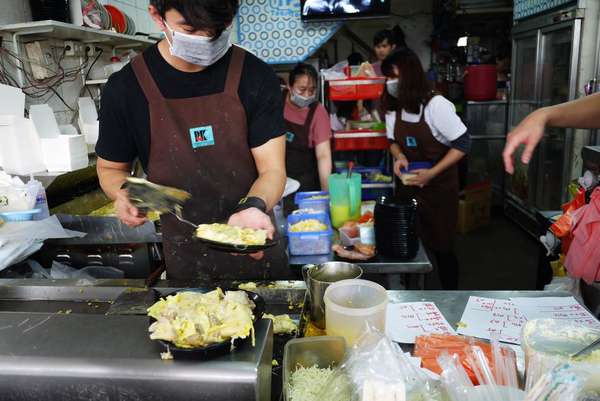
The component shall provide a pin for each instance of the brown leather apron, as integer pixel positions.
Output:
(300, 158)
(438, 201)
(200, 145)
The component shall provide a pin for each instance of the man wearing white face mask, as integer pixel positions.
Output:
(308, 150)
(204, 116)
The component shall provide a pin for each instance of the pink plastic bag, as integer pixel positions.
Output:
(583, 258)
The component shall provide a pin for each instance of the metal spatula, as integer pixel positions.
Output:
(133, 301)
(148, 195)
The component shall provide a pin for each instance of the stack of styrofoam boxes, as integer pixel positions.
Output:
(20, 150)
(60, 152)
(88, 120)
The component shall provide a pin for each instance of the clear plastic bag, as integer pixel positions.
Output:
(497, 376)
(377, 370)
(562, 383)
(16, 196)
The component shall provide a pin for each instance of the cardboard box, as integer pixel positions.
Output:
(474, 207)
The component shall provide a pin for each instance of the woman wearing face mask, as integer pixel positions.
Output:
(424, 127)
(308, 150)
(204, 116)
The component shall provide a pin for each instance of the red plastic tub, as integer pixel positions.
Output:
(356, 88)
(360, 140)
(480, 82)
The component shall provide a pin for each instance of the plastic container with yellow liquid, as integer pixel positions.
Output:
(344, 198)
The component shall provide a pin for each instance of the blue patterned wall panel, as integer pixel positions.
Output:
(273, 30)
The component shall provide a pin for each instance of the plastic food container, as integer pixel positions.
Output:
(353, 305)
(407, 174)
(310, 243)
(367, 233)
(25, 215)
(324, 352)
(356, 88)
(548, 342)
(346, 239)
(313, 200)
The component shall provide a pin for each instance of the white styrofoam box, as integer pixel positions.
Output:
(20, 146)
(68, 129)
(44, 121)
(65, 153)
(90, 132)
(12, 100)
(87, 110)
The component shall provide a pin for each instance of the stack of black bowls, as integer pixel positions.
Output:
(396, 228)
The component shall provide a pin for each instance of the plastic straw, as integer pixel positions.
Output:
(560, 384)
(454, 377)
(480, 365)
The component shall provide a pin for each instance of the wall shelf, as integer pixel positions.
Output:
(64, 31)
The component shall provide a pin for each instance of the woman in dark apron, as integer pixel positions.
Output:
(424, 127)
(308, 148)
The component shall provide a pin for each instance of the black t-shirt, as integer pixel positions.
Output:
(124, 116)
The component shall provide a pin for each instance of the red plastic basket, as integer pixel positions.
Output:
(356, 88)
(360, 140)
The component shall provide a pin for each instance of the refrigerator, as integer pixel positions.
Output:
(554, 55)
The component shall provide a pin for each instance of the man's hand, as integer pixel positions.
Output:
(253, 218)
(424, 176)
(529, 133)
(127, 213)
(400, 163)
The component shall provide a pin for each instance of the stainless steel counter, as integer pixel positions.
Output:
(413, 270)
(46, 354)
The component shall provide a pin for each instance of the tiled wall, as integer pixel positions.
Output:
(138, 10)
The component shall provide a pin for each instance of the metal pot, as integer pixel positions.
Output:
(318, 278)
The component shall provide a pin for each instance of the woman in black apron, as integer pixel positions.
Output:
(308, 148)
(424, 127)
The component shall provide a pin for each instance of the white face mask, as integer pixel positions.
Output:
(301, 101)
(392, 87)
(199, 50)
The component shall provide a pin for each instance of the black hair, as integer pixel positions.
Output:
(303, 69)
(394, 36)
(413, 87)
(355, 58)
(210, 15)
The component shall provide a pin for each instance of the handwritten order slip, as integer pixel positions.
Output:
(408, 320)
(488, 318)
(566, 309)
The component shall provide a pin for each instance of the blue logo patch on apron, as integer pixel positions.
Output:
(411, 142)
(289, 136)
(202, 136)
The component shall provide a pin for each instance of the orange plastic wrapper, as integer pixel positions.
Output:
(428, 348)
(563, 226)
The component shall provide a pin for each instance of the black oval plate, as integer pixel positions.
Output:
(240, 249)
(222, 347)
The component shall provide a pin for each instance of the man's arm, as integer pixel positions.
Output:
(112, 175)
(270, 164)
(324, 163)
(581, 113)
(269, 186)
